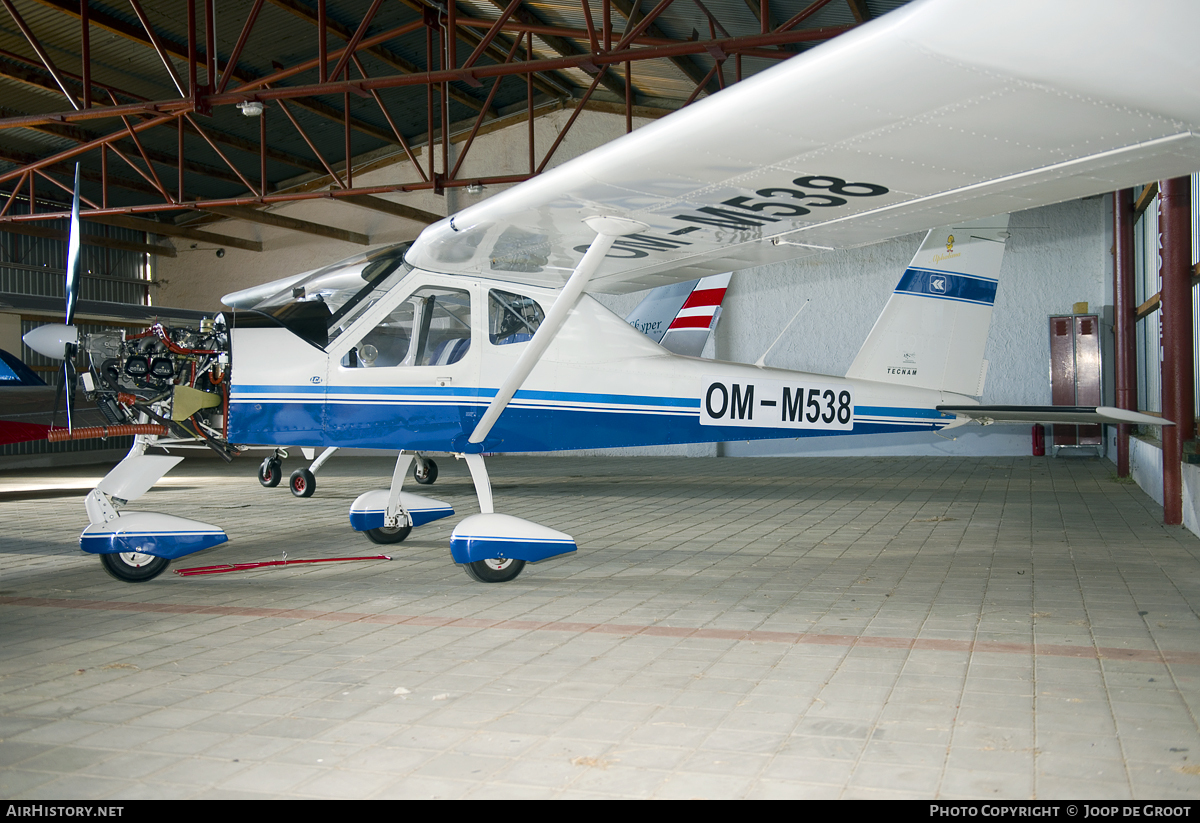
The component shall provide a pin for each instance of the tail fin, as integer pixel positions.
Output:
(934, 328)
(680, 317)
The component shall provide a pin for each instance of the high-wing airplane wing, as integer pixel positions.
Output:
(939, 112)
(1054, 414)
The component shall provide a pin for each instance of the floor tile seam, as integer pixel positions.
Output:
(1091, 651)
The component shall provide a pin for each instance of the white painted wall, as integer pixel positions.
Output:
(1057, 256)
(1146, 469)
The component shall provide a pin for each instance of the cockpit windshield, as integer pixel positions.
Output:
(336, 294)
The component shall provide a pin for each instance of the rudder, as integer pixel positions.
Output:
(934, 328)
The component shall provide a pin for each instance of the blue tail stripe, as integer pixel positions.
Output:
(948, 286)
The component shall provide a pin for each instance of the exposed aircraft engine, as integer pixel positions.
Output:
(174, 376)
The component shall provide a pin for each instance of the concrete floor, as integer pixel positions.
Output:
(757, 627)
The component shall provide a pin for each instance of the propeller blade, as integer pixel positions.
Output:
(73, 246)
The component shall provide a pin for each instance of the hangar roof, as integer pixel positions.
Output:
(150, 98)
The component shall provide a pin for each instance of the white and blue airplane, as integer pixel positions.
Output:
(481, 336)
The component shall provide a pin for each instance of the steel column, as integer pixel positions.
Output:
(1178, 382)
(1124, 304)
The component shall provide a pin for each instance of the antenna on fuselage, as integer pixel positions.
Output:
(761, 361)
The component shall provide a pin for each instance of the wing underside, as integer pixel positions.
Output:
(939, 112)
(1055, 414)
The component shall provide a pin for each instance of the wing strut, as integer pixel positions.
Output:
(607, 230)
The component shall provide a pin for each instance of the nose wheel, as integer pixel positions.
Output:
(425, 472)
(303, 483)
(269, 472)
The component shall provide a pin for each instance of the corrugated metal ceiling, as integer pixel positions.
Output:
(126, 68)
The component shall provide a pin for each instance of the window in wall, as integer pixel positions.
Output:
(1148, 283)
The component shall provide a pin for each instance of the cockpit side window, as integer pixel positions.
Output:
(431, 327)
(512, 318)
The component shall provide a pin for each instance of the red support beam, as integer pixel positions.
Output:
(13, 196)
(1124, 305)
(231, 64)
(591, 27)
(193, 49)
(322, 47)
(444, 95)
(41, 52)
(392, 123)
(270, 199)
(220, 153)
(1178, 375)
(210, 47)
(85, 45)
(571, 121)
(462, 154)
(472, 76)
(262, 149)
(495, 29)
(429, 103)
(627, 38)
(355, 39)
(311, 146)
(800, 17)
(179, 151)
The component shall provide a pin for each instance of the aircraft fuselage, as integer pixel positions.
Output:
(601, 383)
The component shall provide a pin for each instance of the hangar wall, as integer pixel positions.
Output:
(1057, 256)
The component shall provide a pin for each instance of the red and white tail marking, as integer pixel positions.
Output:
(700, 308)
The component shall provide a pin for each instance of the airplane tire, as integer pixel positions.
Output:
(427, 474)
(303, 483)
(134, 567)
(495, 570)
(385, 536)
(269, 473)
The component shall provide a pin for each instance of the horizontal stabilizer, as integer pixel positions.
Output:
(1054, 414)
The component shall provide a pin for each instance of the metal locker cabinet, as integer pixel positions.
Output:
(1076, 377)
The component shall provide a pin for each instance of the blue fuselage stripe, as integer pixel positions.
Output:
(435, 420)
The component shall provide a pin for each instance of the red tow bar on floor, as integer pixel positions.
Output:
(239, 567)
